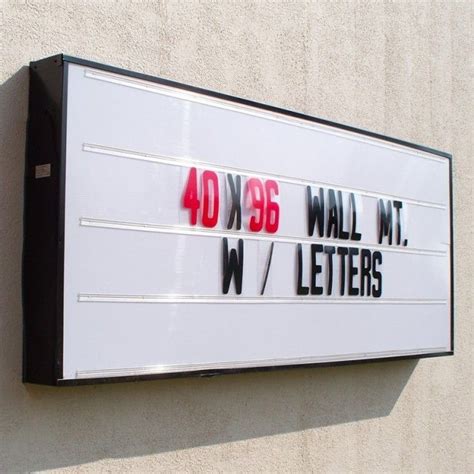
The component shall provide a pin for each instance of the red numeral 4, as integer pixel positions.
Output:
(191, 196)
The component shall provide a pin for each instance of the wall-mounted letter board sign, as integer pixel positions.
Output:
(173, 231)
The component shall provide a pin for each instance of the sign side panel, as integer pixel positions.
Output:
(41, 279)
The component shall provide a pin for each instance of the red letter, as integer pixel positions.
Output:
(190, 198)
(209, 177)
(273, 209)
(257, 195)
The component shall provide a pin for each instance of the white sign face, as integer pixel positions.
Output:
(207, 234)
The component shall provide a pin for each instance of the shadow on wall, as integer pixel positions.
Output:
(45, 427)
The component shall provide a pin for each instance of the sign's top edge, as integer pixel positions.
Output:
(291, 113)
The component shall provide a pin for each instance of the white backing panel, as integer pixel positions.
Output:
(143, 287)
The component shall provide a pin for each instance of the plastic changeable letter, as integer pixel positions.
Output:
(273, 209)
(256, 193)
(210, 193)
(191, 196)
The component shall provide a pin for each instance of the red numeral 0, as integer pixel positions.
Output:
(210, 178)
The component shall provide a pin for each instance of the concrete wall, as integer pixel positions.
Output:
(399, 68)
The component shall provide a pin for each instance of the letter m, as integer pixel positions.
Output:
(385, 221)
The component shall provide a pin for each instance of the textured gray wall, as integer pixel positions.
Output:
(399, 68)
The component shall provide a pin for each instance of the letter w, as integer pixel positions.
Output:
(315, 211)
(233, 265)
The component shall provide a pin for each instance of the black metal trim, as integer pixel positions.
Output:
(451, 256)
(41, 275)
(63, 60)
(265, 368)
(61, 226)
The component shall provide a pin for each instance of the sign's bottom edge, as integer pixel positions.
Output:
(211, 372)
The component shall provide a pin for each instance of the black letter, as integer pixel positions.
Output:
(315, 269)
(365, 267)
(376, 257)
(301, 290)
(330, 250)
(332, 215)
(353, 271)
(354, 235)
(232, 265)
(342, 251)
(315, 211)
(236, 209)
(385, 221)
(398, 205)
(342, 233)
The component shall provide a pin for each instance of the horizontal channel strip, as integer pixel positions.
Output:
(191, 162)
(254, 111)
(176, 368)
(183, 230)
(192, 299)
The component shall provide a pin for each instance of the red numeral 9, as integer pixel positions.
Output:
(256, 193)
